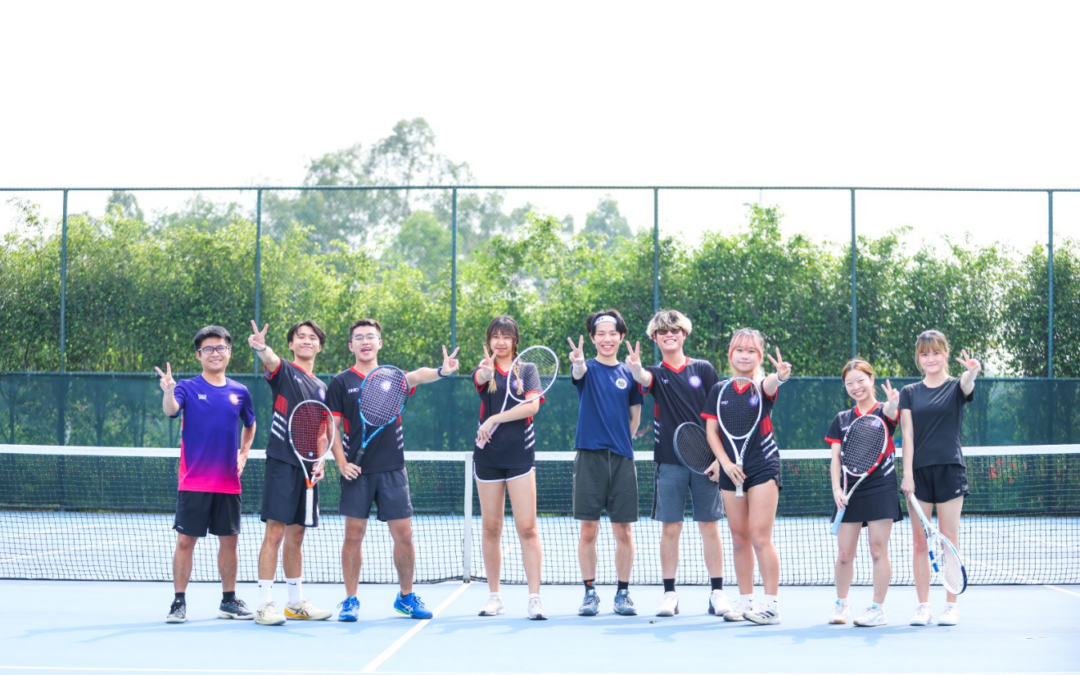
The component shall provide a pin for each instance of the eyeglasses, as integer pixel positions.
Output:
(370, 337)
(220, 349)
(665, 331)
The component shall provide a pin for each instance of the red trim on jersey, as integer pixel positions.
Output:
(502, 372)
(766, 426)
(680, 368)
(735, 386)
(335, 414)
(361, 375)
(774, 394)
(830, 441)
(709, 417)
(479, 386)
(656, 410)
(303, 371)
(481, 410)
(646, 391)
(266, 371)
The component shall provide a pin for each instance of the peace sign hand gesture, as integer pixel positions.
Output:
(487, 366)
(783, 368)
(633, 359)
(450, 363)
(892, 396)
(972, 365)
(577, 354)
(167, 382)
(257, 339)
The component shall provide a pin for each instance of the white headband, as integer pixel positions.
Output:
(606, 317)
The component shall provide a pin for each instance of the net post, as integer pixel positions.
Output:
(1050, 285)
(466, 526)
(63, 285)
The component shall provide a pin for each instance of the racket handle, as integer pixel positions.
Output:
(309, 507)
(836, 521)
(739, 488)
(481, 444)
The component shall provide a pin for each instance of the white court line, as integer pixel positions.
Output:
(378, 660)
(1023, 578)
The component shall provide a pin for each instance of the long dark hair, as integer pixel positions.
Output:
(506, 325)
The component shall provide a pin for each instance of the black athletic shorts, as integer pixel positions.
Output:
(199, 512)
(940, 483)
(285, 492)
(487, 474)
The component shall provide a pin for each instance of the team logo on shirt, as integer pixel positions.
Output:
(234, 399)
(322, 394)
(695, 381)
(621, 383)
(202, 397)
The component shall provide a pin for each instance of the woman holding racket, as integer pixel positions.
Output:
(872, 501)
(750, 460)
(505, 462)
(931, 418)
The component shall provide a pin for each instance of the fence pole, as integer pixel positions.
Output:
(854, 282)
(1050, 285)
(453, 269)
(258, 267)
(656, 261)
(63, 285)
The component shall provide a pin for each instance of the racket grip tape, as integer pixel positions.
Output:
(309, 507)
(739, 488)
(481, 444)
(837, 520)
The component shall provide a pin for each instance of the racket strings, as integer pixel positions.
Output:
(308, 429)
(534, 372)
(739, 411)
(383, 395)
(693, 447)
(862, 446)
(950, 565)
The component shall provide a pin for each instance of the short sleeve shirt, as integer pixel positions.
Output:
(678, 394)
(884, 477)
(513, 445)
(605, 394)
(937, 418)
(762, 454)
(210, 437)
(290, 385)
(386, 451)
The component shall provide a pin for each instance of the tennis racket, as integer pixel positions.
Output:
(311, 433)
(865, 447)
(531, 375)
(383, 396)
(738, 410)
(692, 447)
(944, 558)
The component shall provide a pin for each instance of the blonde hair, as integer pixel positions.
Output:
(754, 336)
(931, 339)
(668, 319)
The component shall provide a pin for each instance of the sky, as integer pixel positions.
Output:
(927, 94)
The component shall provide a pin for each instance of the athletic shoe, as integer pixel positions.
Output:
(268, 615)
(536, 609)
(350, 609)
(950, 615)
(177, 612)
(923, 615)
(769, 616)
(623, 604)
(411, 606)
(738, 613)
(306, 611)
(235, 609)
(590, 606)
(494, 606)
(872, 617)
(840, 612)
(719, 603)
(669, 605)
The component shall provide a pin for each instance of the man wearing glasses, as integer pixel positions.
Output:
(284, 489)
(208, 498)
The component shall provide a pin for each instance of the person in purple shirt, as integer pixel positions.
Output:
(213, 452)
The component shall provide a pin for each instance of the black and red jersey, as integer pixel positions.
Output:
(290, 385)
(762, 454)
(884, 477)
(385, 452)
(513, 445)
(679, 395)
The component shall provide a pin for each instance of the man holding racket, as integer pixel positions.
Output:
(284, 507)
(679, 386)
(372, 466)
(208, 499)
(605, 478)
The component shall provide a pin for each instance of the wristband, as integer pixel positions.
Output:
(438, 371)
(260, 350)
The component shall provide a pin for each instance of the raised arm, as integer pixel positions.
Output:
(577, 358)
(972, 368)
(257, 340)
(633, 361)
(892, 401)
(169, 405)
(425, 375)
(783, 372)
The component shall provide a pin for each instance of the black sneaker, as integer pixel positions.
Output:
(177, 612)
(235, 609)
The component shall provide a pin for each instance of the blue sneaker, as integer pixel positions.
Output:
(350, 609)
(412, 606)
(623, 604)
(590, 606)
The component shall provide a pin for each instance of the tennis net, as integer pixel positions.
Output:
(98, 513)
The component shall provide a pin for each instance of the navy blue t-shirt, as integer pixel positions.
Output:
(605, 394)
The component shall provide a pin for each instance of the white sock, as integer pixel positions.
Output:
(533, 595)
(875, 605)
(747, 598)
(841, 601)
(266, 590)
(771, 602)
(294, 590)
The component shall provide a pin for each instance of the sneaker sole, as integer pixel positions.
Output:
(501, 611)
(870, 625)
(172, 620)
(538, 617)
(239, 617)
(301, 617)
(838, 622)
(947, 623)
(270, 623)
(663, 613)
(632, 612)
(734, 619)
(348, 619)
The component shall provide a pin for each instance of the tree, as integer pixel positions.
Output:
(606, 225)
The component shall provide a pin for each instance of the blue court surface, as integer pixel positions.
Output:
(106, 627)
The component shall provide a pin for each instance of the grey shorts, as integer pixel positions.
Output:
(387, 490)
(672, 483)
(604, 480)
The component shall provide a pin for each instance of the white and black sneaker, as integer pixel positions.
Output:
(770, 616)
(493, 607)
(235, 609)
(536, 609)
(177, 612)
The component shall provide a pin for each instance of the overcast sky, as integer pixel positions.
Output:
(935, 94)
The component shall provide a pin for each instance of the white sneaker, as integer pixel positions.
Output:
(738, 613)
(494, 606)
(719, 603)
(768, 616)
(536, 609)
(306, 611)
(839, 613)
(950, 615)
(872, 617)
(923, 615)
(669, 605)
(268, 615)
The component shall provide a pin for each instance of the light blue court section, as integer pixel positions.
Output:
(86, 627)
